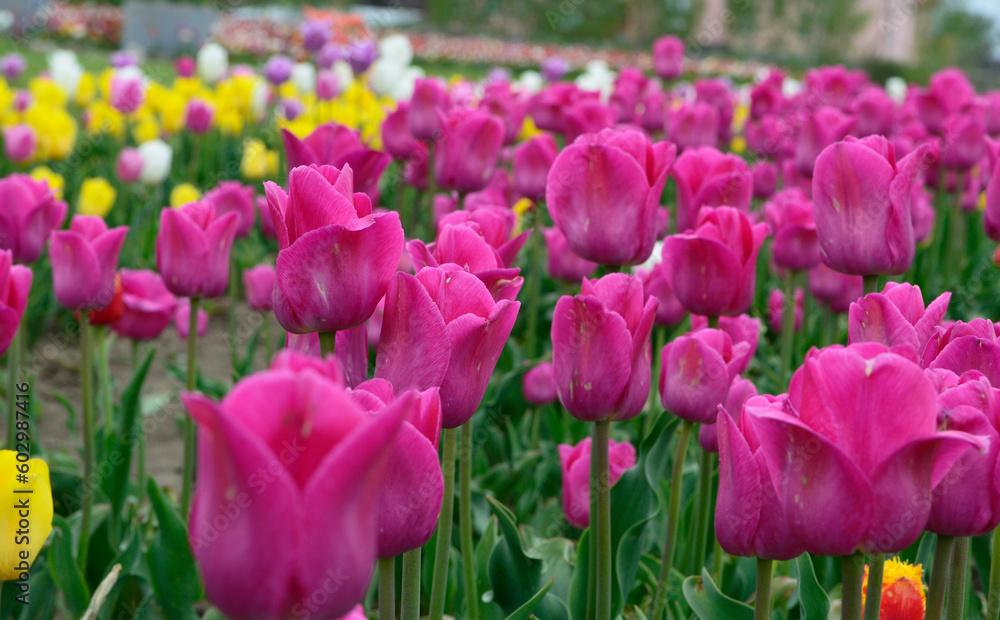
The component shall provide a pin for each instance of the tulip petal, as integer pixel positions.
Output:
(874, 318)
(182, 253)
(737, 510)
(74, 267)
(409, 494)
(352, 353)
(297, 151)
(413, 350)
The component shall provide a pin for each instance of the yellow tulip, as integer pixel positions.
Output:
(258, 161)
(102, 118)
(172, 111)
(146, 129)
(528, 129)
(105, 82)
(183, 194)
(229, 120)
(46, 92)
(86, 90)
(97, 196)
(56, 131)
(188, 87)
(25, 513)
(55, 181)
(738, 145)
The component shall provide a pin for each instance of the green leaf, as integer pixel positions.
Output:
(172, 570)
(710, 604)
(63, 568)
(118, 460)
(514, 576)
(580, 584)
(813, 599)
(524, 611)
(42, 603)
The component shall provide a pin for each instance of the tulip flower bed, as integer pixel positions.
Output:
(624, 346)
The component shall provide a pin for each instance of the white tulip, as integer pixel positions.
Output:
(304, 77)
(396, 48)
(896, 88)
(530, 81)
(213, 62)
(345, 76)
(156, 160)
(65, 70)
(791, 87)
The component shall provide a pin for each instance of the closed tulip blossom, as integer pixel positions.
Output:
(790, 216)
(258, 283)
(85, 261)
(866, 481)
(20, 142)
(468, 151)
(948, 92)
(897, 318)
(278, 69)
(819, 130)
(706, 177)
(15, 283)
(318, 512)
(600, 349)
(182, 319)
(835, 290)
(539, 385)
(575, 462)
(603, 193)
(765, 179)
(29, 211)
(697, 369)
(739, 391)
(128, 165)
(128, 92)
(396, 136)
(741, 329)
(22, 549)
(429, 98)
(533, 159)
(964, 139)
(336, 258)
(861, 200)
(192, 249)
(694, 125)
(495, 224)
(713, 268)
(199, 115)
(147, 305)
(750, 512)
(655, 284)
(233, 196)
(668, 57)
(563, 264)
(961, 347)
(339, 146)
(776, 310)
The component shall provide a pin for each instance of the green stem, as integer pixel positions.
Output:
(956, 587)
(592, 547)
(443, 547)
(140, 439)
(830, 324)
(762, 604)
(600, 452)
(717, 560)
(788, 326)
(870, 283)
(14, 363)
(387, 588)
(534, 292)
(410, 604)
(702, 512)
(956, 236)
(233, 301)
(536, 427)
(713, 322)
(268, 338)
(432, 190)
(86, 380)
(104, 376)
(673, 516)
(413, 220)
(190, 433)
(939, 578)
(873, 600)
(993, 603)
(327, 343)
(852, 568)
(465, 521)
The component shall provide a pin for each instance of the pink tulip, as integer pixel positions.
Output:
(429, 98)
(765, 179)
(694, 125)
(29, 211)
(495, 225)
(948, 92)
(861, 197)
(874, 110)
(856, 450)
(469, 149)
(654, 284)
(509, 106)
(357, 613)
(600, 349)
(327, 85)
(412, 484)
(127, 91)
(15, 283)
(147, 305)
(20, 142)
(351, 359)
(192, 249)
(713, 268)
(317, 508)
(182, 319)
(739, 391)
(964, 138)
(266, 221)
(741, 329)
(961, 347)
(767, 96)
(653, 117)
(603, 193)
(776, 310)
(233, 196)
(335, 145)
(707, 178)
(396, 136)
(718, 94)
(85, 261)
(819, 130)
(336, 258)
(922, 212)
(587, 116)
(833, 85)
(897, 318)
(563, 264)
(539, 385)
(668, 57)
(533, 159)
(258, 283)
(833, 289)
(771, 137)
(199, 116)
(575, 461)
(697, 369)
(128, 165)
(790, 216)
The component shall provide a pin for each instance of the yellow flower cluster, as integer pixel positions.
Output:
(357, 107)
(46, 113)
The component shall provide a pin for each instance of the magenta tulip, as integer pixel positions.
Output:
(707, 178)
(396, 136)
(20, 142)
(655, 284)
(600, 349)
(587, 116)
(469, 149)
(835, 290)
(182, 319)
(258, 283)
(335, 145)
(192, 249)
(776, 310)
(199, 116)
(317, 509)
(861, 198)
(539, 385)
(429, 98)
(713, 268)
(128, 92)
(266, 220)
(739, 391)
(694, 125)
(668, 57)
(832, 86)
(765, 179)
(563, 264)
(697, 369)
(533, 159)
(494, 224)
(741, 329)
(947, 93)
(15, 283)
(233, 196)
(85, 261)
(575, 461)
(859, 460)
(29, 211)
(819, 130)
(603, 193)
(897, 318)
(336, 258)
(961, 347)
(963, 138)
(128, 165)
(767, 96)
(147, 305)
(790, 216)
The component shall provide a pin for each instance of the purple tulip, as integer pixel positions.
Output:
(234, 197)
(15, 283)
(563, 264)
(897, 318)
(29, 211)
(697, 369)
(315, 35)
(147, 305)
(278, 69)
(361, 55)
(539, 385)
(835, 290)
(554, 68)
(258, 283)
(192, 249)
(790, 216)
(336, 258)
(469, 149)
(533, 159)
(861, 198)
(335, 145)
(668, 57)
(603, 192)
(600, 349)
(85, 261)
(713, 268)
(706, 177)
(12, 65)
(575, 462)
(429, 99)
(855, 473)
